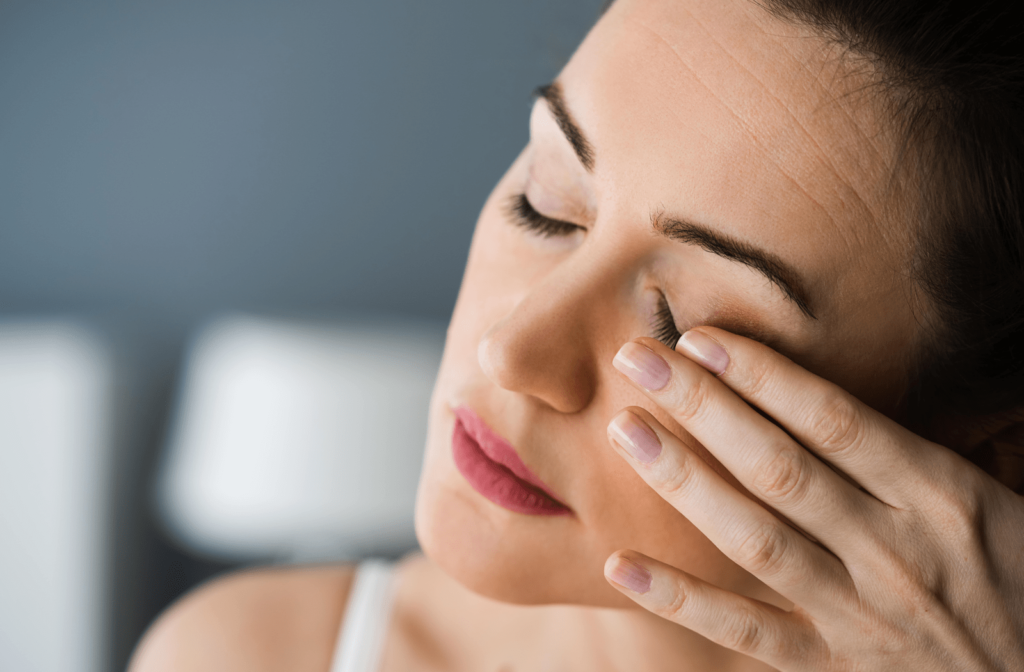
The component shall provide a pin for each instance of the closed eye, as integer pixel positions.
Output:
(522, 213)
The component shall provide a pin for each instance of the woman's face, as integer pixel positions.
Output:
(697, 156)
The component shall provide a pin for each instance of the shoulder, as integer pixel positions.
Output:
(254, 620)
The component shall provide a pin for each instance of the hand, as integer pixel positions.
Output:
(913, 561)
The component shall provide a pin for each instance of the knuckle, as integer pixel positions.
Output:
(783, 477)
(910, 580)
(692, 399)
(901, 572)
(911, 585)
(956, 510)
(747, 633)
(836, 427)
(676, 608)
(758, 376)
(962, 512)
(763, 549)
(679, 480)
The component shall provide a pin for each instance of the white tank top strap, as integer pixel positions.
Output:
(361, 640)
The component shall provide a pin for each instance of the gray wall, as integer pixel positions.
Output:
(162, 162)
(166, 160)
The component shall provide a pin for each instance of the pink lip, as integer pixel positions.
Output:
(493, 468)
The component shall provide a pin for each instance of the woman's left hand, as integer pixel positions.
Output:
(913, 561)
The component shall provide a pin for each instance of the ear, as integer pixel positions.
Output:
(996, 444)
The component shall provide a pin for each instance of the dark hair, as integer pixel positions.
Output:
(950, 73)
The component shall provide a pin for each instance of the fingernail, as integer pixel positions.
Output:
(630, 575)
(706, 351)
(642, 366)
(635, 437)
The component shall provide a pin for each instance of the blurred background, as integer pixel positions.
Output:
(222, 225)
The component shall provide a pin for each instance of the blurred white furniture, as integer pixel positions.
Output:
(299, 441)
(55, 437)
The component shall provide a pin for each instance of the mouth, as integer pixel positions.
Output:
(494, 469)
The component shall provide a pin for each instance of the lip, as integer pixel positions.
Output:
(494, 469)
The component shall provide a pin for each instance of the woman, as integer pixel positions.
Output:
(710, 183)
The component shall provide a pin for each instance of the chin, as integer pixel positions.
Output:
(502, 555)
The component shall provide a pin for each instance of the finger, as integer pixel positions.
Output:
(875, 451)
(762, 457)
(750, 535)
(781, 639)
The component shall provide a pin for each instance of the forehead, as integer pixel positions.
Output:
(716, 111)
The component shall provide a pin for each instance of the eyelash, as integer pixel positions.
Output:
(665, 324)
(523, 214)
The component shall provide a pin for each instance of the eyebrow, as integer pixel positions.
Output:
(767, 264)
(552, 93)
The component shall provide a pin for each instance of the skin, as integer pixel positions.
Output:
(266, 619)
(905, 582)
(715, 113)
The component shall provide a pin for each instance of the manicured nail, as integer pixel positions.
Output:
(629, 575)
(706, 351)
(635, 437)
(642, 366)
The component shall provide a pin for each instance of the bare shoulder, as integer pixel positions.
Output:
(253, 620)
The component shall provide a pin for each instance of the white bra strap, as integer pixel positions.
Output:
(361, 640)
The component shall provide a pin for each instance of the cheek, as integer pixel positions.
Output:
(627, 514)
(618, 509)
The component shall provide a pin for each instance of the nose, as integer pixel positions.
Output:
(542, 348)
